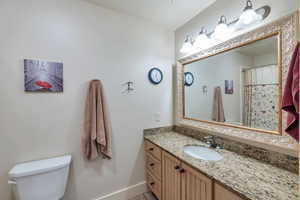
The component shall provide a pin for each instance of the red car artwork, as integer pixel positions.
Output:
(43, 84)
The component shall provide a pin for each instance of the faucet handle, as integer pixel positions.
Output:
(210, 140)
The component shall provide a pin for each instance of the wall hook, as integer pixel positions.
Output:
(129, 88)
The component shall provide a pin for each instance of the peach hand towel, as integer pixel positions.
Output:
(96, 140)
(218, 109)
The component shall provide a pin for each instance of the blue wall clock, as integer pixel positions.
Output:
(188, 78)
(155, 76)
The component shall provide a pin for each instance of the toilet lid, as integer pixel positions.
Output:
(40, 166)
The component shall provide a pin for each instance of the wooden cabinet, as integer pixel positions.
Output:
(153, 150)
(154, 168)
(154, 185)
(195, 186)
(223, 194)
(171, 179)
(181, 182)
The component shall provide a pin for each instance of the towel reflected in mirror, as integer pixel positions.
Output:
(218, 109)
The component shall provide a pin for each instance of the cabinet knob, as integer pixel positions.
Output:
(177, 167)
(152, 183)
(182, 170)
(152, 164)
(151, 149)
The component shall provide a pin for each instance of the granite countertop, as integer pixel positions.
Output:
(251, 178)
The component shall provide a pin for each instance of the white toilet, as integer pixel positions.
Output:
(40, 180)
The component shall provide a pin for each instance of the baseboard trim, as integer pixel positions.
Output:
(126, 193)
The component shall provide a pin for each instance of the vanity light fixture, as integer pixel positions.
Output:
(202, 41)
(249, 15)
(222, 31)
(187, 46)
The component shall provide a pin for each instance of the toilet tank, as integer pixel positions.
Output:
(40, 180)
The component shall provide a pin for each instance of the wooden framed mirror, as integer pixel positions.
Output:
(239, 87)
(238, 83)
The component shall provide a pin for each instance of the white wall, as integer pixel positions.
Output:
(92, 42)
(213, 72)
(209, 17)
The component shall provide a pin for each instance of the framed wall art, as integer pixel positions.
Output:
(43, 76)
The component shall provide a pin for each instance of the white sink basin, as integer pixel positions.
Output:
(202, 153)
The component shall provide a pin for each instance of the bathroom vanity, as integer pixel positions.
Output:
(233, 92)
(174, 175)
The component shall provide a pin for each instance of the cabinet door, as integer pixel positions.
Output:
(223, 194)
(171, 177)
(195, 186)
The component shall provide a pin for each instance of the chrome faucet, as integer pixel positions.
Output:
(211, 140)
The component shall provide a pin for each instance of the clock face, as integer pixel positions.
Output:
(189, 78)
(155, 75)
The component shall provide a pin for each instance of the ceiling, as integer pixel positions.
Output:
(169, 13)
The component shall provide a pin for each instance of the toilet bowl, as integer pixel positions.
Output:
(40, 180)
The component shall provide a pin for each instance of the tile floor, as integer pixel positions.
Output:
(145, 196)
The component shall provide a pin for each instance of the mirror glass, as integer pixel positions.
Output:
(239, 87)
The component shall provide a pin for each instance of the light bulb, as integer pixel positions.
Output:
(202, 41)
(187, 46)
(249, 15)
(222, 31)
